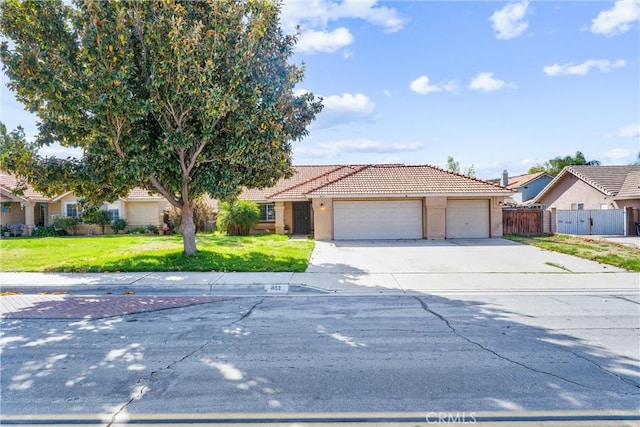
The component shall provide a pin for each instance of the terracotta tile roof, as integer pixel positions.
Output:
(9, 183)
(389, 179)
(301, 190)
(301, 175)
(630, 189)
(141, 193)
(608, 179)
(402, 179)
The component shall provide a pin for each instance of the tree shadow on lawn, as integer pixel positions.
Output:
(382, 353)
(203, 260)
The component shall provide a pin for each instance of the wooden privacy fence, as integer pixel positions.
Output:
(522, 221)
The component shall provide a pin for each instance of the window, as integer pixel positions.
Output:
(113, 209)
(577, 206)
(604, 206)
(71, 209)
(267, 212)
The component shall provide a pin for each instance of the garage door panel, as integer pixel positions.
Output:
(377, 220)
(467, 219)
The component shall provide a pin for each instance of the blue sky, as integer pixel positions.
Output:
(500, 85)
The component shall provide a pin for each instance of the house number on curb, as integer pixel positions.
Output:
(276, 289)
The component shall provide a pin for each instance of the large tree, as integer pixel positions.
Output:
(554, 166)
(183, 98)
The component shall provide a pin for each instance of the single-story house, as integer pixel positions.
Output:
(526, 186)
(595, 188)
(388, 201)
(33, 209)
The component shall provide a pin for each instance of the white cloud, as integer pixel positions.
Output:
(631, 131)
(336, 149)
(620, 156)
(324, 41)
(349, 103)
(316, 14)
(603, 65)
(383, 16)
(509, 22)
(487, 83)
(422, 86)
(618, 19)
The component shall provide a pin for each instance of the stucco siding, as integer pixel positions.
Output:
(570, 190)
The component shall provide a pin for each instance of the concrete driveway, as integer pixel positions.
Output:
(444, 256)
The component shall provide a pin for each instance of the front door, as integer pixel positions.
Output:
(301, 214)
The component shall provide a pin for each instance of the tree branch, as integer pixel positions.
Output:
(163, 191)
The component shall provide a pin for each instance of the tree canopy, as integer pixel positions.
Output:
(554, 166)
(182, 98)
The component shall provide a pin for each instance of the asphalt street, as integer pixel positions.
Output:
(323, 354)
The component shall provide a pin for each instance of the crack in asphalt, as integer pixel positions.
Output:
(248, 313)
(143, 382)
(426, 308)
(625, 299)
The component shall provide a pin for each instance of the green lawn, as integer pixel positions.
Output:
(626, 257)
(127, 253)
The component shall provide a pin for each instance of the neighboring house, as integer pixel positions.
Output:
(526, 186)
(342, 202)
(595, 188)
(33, 209)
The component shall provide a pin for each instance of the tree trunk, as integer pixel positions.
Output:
(188, 229)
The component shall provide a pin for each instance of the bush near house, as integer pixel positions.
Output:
(65, 223)
(118, 225)
(202, 213)
(96, 216)
(237, 217)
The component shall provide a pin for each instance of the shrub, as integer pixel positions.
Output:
(118, 225)
(66, 223)
(96, 216)
(202, 213)
(152, 229)
(236, 218)
(44, 232)
(137, 230)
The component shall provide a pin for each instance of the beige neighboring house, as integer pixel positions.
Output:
(595, 188)
(33, 209)
(347, 202)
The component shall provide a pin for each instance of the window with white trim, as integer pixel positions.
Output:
(71, 209)
(267, 212)
(577, 206)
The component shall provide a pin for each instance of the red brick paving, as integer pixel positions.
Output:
(81, 307)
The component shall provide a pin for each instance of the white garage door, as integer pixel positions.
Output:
(377, 220)
(467, 218)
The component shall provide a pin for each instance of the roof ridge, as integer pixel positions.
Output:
(469, 177)
(360, 169)
(589, 181)
(337, 167)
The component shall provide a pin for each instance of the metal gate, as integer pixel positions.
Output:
(597, 222)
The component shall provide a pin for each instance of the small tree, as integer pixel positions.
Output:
(66, 223)
(96, 216)
(118, 225)
(237, 217)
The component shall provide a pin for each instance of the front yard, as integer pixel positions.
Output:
(626, 257)
(129, 253)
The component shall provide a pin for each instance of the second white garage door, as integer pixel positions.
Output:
(467, 219)
(377, 220)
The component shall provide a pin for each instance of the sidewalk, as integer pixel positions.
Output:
(214, 283)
